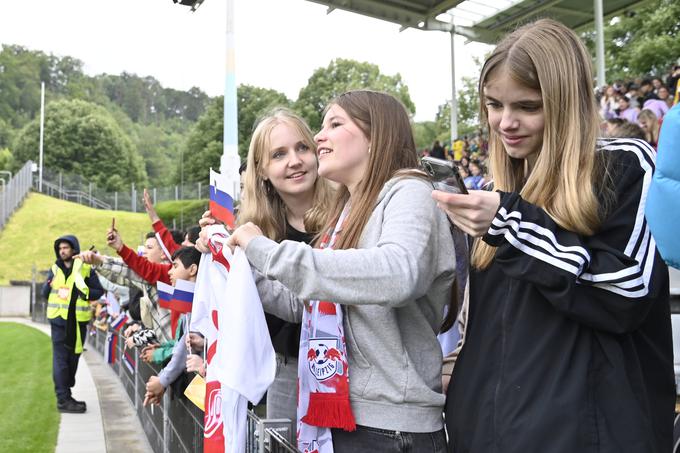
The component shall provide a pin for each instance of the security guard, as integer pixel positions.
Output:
(70, 286)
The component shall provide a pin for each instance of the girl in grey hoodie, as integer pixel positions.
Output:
(390, 269)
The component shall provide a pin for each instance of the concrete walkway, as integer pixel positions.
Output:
(118, 430)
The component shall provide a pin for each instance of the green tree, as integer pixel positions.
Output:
(253, 102)
(342, 75)
(642, 41)
(468, 111)
(205, 143)
(82, 138)
(424, 134)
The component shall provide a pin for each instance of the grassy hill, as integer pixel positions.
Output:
(29, 236)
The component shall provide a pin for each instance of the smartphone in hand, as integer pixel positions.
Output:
(113, 228)
(444, 175)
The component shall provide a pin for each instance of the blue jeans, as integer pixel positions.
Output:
(64, 361)
(375, 440)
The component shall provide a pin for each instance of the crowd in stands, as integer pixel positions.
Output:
(636, 108)
(344, 234)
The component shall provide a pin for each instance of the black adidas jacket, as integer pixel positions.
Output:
(568, 342)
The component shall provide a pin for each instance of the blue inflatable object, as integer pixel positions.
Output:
(663, 200)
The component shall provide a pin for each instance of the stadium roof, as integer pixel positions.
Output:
(479, 20)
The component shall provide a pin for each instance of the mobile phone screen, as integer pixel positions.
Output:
(444, 174)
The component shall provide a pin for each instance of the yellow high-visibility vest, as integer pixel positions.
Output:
(60, 295)
(60, 292)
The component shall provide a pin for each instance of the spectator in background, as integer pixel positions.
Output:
(650, 125)
(475, 180)
(656, 83)
(626, 112)
(664, 95)
(192, 235)
(169, 241)
(647, 91)
(672, 80)
(458, 149)
(657, 106)
(70, 286)
(620, 128)
(437, 150)
(185, 263)
(633, 95)
(609, 103)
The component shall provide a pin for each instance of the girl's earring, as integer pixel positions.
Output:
(369, 150)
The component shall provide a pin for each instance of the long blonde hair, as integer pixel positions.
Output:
(385, 123)
(261, 204)
(547, 56)
(652, 134)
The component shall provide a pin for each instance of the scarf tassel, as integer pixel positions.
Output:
(330, 410)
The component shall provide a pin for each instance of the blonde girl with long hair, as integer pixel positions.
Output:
(567, 343)
(371, 293)
(283, 193)
(650, 124)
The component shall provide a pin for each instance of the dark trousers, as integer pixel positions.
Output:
(64, 360)
(375, 440)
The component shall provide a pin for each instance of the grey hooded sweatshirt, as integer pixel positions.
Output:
(393, 289)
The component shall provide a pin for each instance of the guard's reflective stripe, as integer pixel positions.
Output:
(78, 307)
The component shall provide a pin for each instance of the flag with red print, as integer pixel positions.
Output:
(241, 363)
(323, 374)
(204, 321)
(221, 200)
(182, 296)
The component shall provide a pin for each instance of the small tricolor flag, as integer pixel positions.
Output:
(178, 298)
(110, 350)
(119, 323)
(221, 202)
(165, 292)
(129, 361)
(112, 338)
(183, 297)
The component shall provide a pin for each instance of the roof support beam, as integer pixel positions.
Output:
(571, 12)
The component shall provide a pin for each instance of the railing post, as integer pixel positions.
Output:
(61, 189)
(115, 201)
(154, 196)
(33, 277)
(137, 402)
(199, 191)
(166, 423)
(133, 198)
(176, 193)
(90, 194)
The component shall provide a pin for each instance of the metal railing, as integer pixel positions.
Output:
(77, 196)
(78, 189)
(177, 424)
(14, 189)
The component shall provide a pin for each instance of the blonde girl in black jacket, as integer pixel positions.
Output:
(568, 337)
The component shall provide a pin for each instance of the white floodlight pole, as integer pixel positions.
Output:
(599, 42)
(230, 161)
(42, 130)
(454, 101)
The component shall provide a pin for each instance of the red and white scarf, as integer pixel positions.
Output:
(323, 372)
